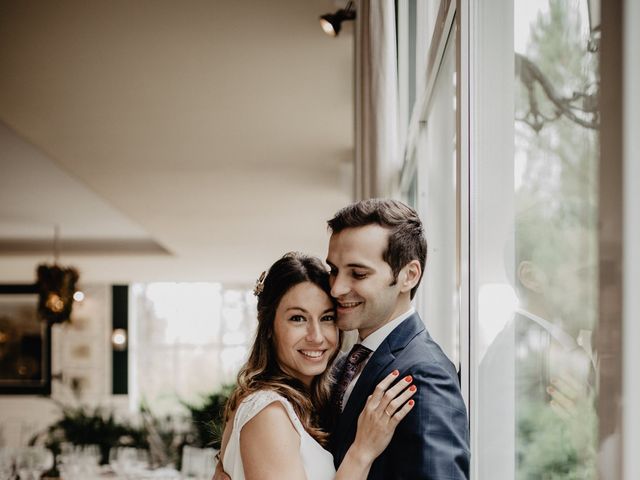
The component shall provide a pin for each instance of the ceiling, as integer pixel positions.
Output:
(186, 141)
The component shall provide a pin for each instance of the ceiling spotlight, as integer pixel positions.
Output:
(119, 339)
(331, 22)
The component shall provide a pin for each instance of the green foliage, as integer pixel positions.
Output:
(208, 418)
(562, 157)
(96, 426)
(164, 436)
(557, 198)
(85, 426)
(556, 230)
(550, 446)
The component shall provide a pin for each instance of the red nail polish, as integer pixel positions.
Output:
(395, 373)
(408, 379)
(413, 388)
(411, 402)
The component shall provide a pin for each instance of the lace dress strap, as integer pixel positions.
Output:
(254, 403)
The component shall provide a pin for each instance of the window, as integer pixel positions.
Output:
(437, 204)
(187, 339)
(501, 161)
(534, 258)
(430, 180)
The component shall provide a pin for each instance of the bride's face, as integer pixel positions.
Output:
(305, 332)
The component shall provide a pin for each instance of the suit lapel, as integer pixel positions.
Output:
(377, 366)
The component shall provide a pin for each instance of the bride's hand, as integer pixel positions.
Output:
(384, 409)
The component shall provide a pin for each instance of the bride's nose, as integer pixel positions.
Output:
(314, 333)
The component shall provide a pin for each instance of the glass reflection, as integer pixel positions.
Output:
(538, 378)
(555, 267)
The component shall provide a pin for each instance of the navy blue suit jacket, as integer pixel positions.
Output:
(432, 441)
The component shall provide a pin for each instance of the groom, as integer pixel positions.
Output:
(377, 254)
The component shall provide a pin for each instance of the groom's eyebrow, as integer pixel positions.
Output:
(351, 265)
(359, 265)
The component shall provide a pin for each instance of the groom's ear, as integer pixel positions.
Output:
(409, 276)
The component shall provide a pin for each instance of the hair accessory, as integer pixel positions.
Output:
(259, 284)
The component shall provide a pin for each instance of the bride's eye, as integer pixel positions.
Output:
(297, 318)
(329, 318)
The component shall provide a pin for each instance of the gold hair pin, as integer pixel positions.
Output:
(259, 284)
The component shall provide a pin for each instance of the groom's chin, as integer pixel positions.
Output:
(347, 323)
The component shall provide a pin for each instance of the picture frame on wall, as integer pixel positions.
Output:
(25, 343)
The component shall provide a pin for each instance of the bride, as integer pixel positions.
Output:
(278, 415)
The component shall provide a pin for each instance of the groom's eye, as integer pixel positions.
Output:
(359, 275)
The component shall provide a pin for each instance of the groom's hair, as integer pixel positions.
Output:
(406, 235)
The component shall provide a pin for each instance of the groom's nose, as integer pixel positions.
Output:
(339, 286)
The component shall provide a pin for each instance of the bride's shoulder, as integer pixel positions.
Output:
(261, 396)
(269, 406)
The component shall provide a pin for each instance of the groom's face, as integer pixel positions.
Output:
(362, 281)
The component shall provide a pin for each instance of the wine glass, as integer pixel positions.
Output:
(32, 462)
(128, 461)
(79, 462)
(6, 464)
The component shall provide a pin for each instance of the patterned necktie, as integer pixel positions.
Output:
(357, 355)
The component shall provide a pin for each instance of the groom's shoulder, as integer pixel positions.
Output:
(422, 352)
(433, 373)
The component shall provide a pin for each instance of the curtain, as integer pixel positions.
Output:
(376, 150)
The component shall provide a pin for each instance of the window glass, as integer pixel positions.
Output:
(188, 339)
(412, 14)
(537, 380)
(437, 198)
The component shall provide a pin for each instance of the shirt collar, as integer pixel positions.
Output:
(375, 339)
(560, 336)
(563, 338)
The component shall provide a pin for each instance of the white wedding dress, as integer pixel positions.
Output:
(318, 462)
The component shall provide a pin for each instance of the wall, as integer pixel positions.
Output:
(81, 352)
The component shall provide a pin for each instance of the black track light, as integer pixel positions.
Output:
(332, 22)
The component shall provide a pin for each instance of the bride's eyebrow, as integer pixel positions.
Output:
(296, 308)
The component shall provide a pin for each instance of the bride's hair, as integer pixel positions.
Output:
(262, 371)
